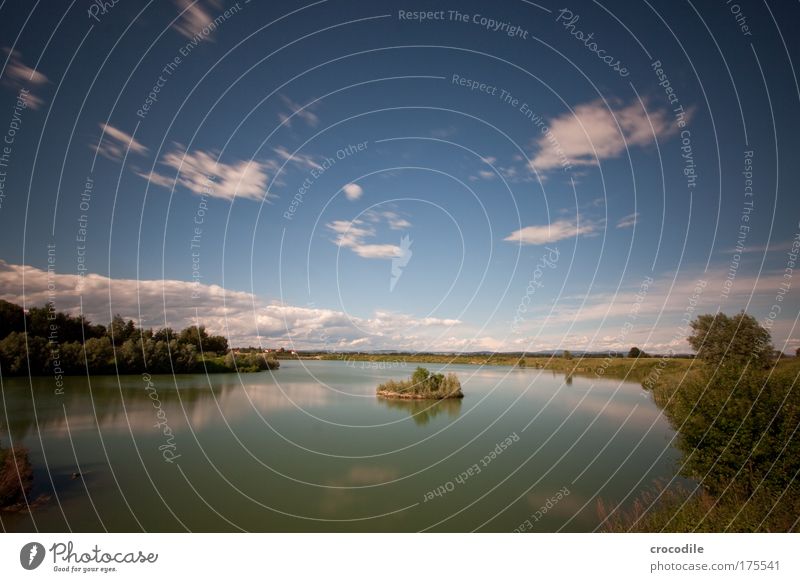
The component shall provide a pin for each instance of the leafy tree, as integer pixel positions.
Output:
(202, 341)
(216, 343)
(120, 330)
(721, 340)
(130, 356)
(194, 335)
(637, 353)
(99, 355)
(12, 318)
(20, 353)
(38, 322)
(737, 429)
(70, 358)
(567, 355)
(184, 357)
(164, 334)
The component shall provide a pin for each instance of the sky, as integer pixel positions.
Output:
(436, 176)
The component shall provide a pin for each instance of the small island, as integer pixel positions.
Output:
(422, 386)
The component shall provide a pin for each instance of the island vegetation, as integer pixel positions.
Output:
(422, 386)
(43, 341)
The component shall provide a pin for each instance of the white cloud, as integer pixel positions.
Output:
(547, 233)
(593, 132)
(201, 173)
(114, 142)
(297, 112)
(593, 324)
(352, 191)
(352, 234)
(629, 220)
(240, 316)
(194, 18)
(20, 77)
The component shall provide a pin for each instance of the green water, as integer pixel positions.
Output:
(310, 448)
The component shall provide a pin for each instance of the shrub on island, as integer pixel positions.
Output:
(423, 385)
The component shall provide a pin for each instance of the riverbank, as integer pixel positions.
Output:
(635, 369)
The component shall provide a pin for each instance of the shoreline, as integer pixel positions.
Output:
(390, 395)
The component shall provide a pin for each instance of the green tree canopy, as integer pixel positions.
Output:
(721, 340)
(12, 318)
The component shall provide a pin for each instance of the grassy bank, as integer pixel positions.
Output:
(738, 435)
(16, 479)
(636, 369)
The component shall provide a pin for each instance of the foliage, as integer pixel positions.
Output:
(12, 318)
(250, 362)
(199, 338)
(423, 384)
(737, 431)
(721, 340)
(637, 353)
(60, 344)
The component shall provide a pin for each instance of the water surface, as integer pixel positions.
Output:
(310, 448)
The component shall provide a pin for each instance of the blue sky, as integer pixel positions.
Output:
(353, 178)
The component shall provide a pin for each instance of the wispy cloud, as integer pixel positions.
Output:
(195, 16)
(20, 77)
(306, 161)
(628, 221)
(555, 231)
(352, 234)
(593, 132)
(773, 247)
(113, 142)
(395, 221)
(515, 171)
(297, 111)
(202, 173)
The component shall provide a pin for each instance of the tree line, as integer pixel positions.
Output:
(43, 341)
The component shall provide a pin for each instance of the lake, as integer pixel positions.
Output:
(309, 447)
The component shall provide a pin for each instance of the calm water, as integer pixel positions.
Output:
(310, 448)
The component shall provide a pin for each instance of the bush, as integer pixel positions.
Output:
(423, 384)
(250, 362)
